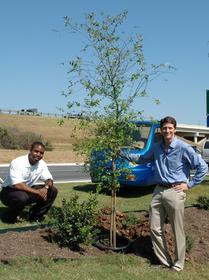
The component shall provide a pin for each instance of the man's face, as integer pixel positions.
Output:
(168, 130)
(36, 154)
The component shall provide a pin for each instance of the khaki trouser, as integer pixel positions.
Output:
(168, 202)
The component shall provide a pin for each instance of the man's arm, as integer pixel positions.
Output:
(136, 157)
(46, 176)
(196, 163)
(42, 193)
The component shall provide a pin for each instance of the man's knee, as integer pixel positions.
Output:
(53, 192)
(21, 199)
(15, 200)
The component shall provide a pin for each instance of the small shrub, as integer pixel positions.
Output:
(8, 139)
(48, 146)
(190, 240)
(75, 223)
(203, 202)
(14, 139)
(27, 138)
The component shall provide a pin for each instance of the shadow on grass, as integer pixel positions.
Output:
(142, 246)
(22, 228)
(125, 191)
(130, 192)
(85, 188)
(205, 182)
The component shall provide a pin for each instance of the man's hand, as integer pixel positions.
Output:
(129, 156)
(181, 187)
(42, 193)
(49, 183)
(123, 154)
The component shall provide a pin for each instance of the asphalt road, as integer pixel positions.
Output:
(61, 172)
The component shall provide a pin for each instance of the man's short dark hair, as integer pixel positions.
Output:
(37, 143)
(168, 119)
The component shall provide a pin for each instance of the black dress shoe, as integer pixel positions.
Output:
(8, 219)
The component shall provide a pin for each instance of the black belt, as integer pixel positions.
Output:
(168, 185)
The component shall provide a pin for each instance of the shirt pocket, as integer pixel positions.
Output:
(174, 161)
(26, 175)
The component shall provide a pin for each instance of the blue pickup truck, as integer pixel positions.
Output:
(146, 133)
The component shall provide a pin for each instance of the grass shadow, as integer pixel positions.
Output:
(142, 246)
(130, 192)
(125, 191)
(85, 188)
(205, 183)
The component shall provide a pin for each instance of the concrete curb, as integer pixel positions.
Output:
(54, 164)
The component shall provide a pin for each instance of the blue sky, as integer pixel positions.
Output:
(175, 32)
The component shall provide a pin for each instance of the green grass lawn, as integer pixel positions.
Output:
(109, 266)
(128, 200)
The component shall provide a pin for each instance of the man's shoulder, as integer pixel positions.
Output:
(182, 144)
(42, 163)
(23, 158)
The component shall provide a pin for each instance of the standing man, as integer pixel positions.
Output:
(20, 187)
(173, 161)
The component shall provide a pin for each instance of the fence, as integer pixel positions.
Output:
(25, 112)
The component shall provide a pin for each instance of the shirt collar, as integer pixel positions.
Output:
(28, 162)
(173, 143)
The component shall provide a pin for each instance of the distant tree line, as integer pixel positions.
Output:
(16, 140)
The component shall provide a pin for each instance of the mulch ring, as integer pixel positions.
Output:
(196, 230)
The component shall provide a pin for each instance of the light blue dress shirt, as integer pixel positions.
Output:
(174, 164)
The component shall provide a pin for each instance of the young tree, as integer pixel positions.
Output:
(104, 83)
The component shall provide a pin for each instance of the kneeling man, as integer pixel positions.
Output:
(22, 186)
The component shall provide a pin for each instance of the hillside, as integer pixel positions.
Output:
(48, 127)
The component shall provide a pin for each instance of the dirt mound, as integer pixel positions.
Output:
(196, 230)
(37, 242)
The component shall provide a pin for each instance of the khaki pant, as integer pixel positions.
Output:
(168, 202)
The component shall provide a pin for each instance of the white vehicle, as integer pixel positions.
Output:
(205, 151)
(31, 112)
(1, 182)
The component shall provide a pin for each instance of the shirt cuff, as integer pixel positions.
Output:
(190, 184)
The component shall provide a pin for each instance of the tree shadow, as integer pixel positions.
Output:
(125, 191)
(85, 188)
(133, 191)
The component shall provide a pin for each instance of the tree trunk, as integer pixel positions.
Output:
(113, 210)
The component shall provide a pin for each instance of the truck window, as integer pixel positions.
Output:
(206, 146)
(140, 136)
(158, 136)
